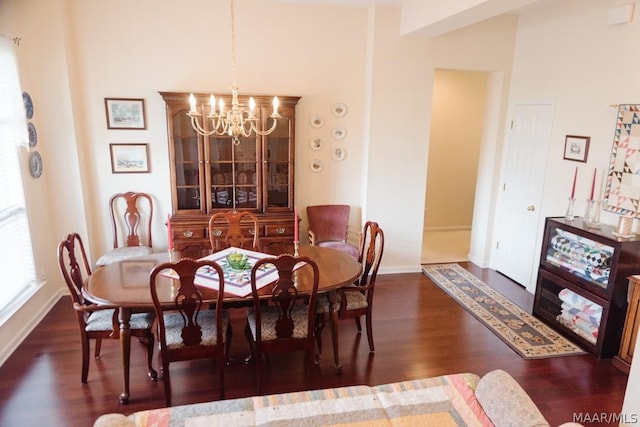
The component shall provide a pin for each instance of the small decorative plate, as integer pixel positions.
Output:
(316, 165)
(317, 143)
(28, 104)
(339, 109)
(35, 164)
(33, 135)
(338, 153)
(317, 121)
(339, 132)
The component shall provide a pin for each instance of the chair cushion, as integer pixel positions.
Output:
(341, 246)
(269, 315)
(355, 301)
(173, 324)
(123, 253)
(101, 321)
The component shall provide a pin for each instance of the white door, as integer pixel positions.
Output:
(526, 150)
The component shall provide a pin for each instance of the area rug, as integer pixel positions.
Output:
(525, 334)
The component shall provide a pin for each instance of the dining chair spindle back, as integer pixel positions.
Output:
(131, 219)
(357, 299)
(234, 228)
(188, 329)
(97, 321)
(287, 323)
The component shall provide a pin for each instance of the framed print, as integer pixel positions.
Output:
(124, 113)
(576, 148)
(129, 158)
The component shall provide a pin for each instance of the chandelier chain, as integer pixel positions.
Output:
(234, 67)
(236, 121)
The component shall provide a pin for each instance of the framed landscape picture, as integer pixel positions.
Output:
(125, 113)
(129, 158)
(576, 148)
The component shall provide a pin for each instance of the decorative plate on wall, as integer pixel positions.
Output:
(317, 143)
(338, 153)
(317, 121)
(35, 164)
(28, 104)
(339, 109)
(33, 135)
(339, 132)
(316, 165)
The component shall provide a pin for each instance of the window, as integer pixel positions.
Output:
(16, 255)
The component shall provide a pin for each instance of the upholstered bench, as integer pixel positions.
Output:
(449, 400)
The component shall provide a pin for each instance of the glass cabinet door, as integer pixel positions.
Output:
(186, 155)
(278, 160)
(233, 173)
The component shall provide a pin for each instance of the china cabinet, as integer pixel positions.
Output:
(211, 174)
(582, 283)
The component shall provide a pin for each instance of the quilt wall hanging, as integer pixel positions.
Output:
(622, 192)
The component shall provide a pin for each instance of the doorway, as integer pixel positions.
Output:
(457, 122)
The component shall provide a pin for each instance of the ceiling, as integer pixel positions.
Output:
(430, 18)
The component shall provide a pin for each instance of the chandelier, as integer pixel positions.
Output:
(236, 122)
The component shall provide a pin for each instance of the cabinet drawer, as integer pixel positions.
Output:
(275, 230)
(220, 232)
(195, 232)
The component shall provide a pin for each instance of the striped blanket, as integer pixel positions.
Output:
(441, 401)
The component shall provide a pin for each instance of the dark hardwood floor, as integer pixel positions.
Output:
(419, 332)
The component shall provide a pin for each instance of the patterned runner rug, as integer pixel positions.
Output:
(525, 334)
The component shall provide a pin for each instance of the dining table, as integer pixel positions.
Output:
(125, 284)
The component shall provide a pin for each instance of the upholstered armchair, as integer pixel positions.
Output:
(329, 227)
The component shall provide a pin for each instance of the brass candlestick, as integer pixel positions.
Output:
(296, 247)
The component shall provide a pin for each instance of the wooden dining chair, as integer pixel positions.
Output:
(97, 321)
(187, 330)
(357, 299)
(287, 323)
(234, 228)
(131, 218)
(329, 227)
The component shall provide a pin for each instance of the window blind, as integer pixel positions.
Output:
(16, 254)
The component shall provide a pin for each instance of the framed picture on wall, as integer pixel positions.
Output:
(125, 113)
(129, 158)
(576, 148)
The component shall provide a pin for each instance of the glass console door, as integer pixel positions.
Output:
(233, 173)
(580, 256)
(188, 175)
(278, 160)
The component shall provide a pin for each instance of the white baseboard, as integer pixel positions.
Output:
(454, 228)
(400, 269)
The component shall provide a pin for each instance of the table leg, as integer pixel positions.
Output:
(125, 346)
(333, 323)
